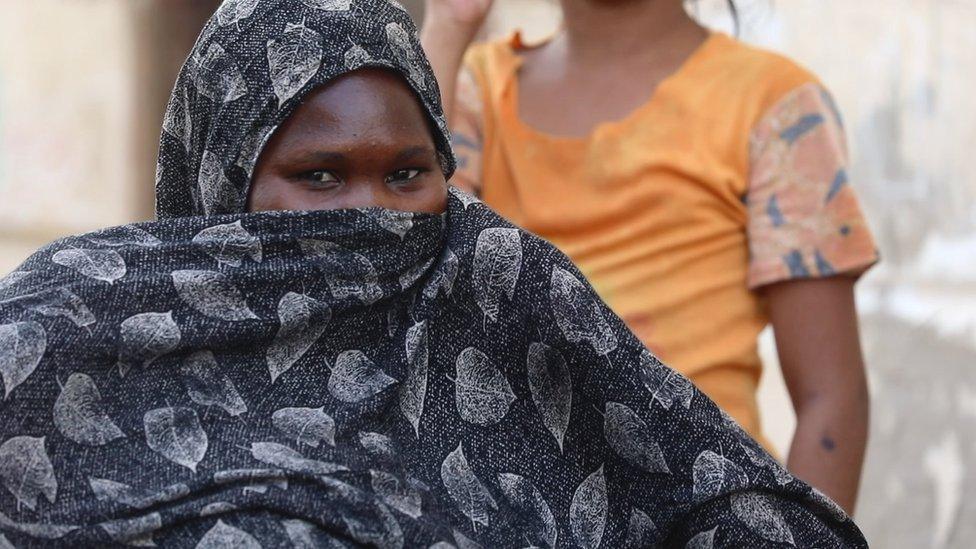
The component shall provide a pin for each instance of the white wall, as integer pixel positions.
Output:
(65, 120)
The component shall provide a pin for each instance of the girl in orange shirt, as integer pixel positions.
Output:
(701, 186)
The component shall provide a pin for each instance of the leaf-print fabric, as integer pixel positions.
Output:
(79, 415)
(22, 345)
(347, 378)
(26, 470)
(57, 302)
(293, 59)
(105, 265)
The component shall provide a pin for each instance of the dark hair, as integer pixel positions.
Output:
(734, 11)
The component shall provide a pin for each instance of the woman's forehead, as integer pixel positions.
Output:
(361, 101)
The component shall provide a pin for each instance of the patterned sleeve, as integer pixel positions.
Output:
(466, 129)
(804, 217)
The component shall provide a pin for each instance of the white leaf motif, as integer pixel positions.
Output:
(177, 121)
(224, 536)
(482, 393)
(632, 439)
(378, 446)
(306, 425)
(218, 194)
(714, 475)
(216, 75)
(284, 457)
(759, 512)
(135, 532)
(355, 378)
(471, 496)
(79, 414)
(328, 5)
(303, 321)
(399, 41)
(124, 236)
(217, 508)
(528, 502)
(578, 314)
(552, 388)
(464, 198)
(36, 529)
(145, 337)
(666, 386)
(347, 273)
(105, 265)
(397, 5)
(355, 57)
(58, 302)
(398, 223)
(702, 540)
(496, 267)
(305, 535)
(588, 511)
(464, 542)
(212, 294)
(22, 346)
(176, 434)
(414, 389)
(229, 244)
(26, 471)
(13, 278)
(233, 11)
(641, 530)
(398, 496)
(294, 57)
(208, 386)
(444, 276)
(110, 490)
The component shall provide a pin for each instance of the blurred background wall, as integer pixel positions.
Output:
(83, 85)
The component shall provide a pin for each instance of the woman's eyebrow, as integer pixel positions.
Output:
(320, 156)
(416, 152)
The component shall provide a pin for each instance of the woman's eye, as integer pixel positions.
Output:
(322, 177)
(403, 176)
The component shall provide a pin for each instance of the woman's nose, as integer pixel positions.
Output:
(369, 193)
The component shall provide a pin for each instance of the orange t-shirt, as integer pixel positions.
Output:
(730, 177)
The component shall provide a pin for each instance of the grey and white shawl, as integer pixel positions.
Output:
(348, 378)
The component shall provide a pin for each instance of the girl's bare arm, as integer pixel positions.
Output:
(815, 324)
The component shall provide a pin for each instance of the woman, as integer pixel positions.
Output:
(350, 375)
(699, 183)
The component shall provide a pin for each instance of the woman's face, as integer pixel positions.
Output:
(361, 141)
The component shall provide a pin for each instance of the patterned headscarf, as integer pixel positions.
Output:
(348, 378)
(253, 64)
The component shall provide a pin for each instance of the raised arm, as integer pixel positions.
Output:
(449, 27)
